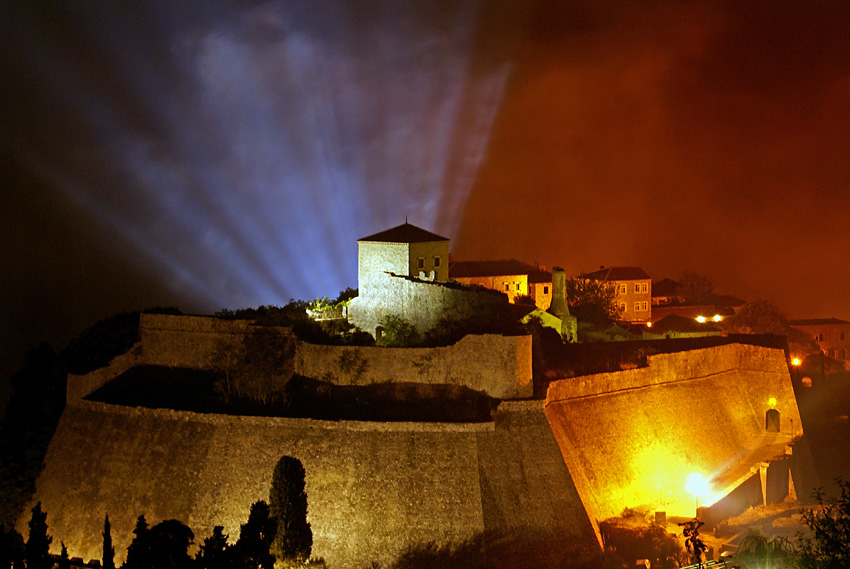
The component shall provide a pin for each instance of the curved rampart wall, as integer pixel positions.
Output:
(374, 489)
(497, 365)
(631, 438)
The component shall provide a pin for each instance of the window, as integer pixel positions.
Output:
(637, 306)
(436, 261)
(820, 337)
(842, 336)
(643, 305)
(545, 289)
(622, 307)
(421, 262)
(507, 286)
(622, 289)
(644, 287)
(637, 287)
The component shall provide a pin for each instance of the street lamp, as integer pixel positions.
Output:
(698, 486)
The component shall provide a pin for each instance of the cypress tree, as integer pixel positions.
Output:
(108, 560)
(293, 541)
(37, 548)
(64, 561)
(139, 551)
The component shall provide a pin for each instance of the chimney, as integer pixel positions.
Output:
(559, 305)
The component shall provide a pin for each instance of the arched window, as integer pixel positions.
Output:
(830, 352)
(771, 421)
(842, 354)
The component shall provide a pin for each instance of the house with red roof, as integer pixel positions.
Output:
(512, 277)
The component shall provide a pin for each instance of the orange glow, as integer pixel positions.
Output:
(795, 362)
(772, 402)
(717, 318)
(649, 324)
(700, 319)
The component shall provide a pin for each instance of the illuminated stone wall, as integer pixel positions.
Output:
(631, 438)
(190, 341)
(497, 365)
(374, 489)
(421, 303)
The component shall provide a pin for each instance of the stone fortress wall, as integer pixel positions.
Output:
(374, 489)
(497, 365)
(541, 472)
(631, 438)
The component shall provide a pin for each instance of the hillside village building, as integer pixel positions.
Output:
(831, 334)
(633, 289)
(512, 277)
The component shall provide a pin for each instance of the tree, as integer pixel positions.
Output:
(139, 551)
(696, 288)
(64, 561)
(169, 542)
(11, 548)
(827, 543)
(252, 550)
(257, 365)
(758, 317)
(214, 553)
(293, 540)
(397, 332)
(37, 548)
(108, 559)
(592, 296)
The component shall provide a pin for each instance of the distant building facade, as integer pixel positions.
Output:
(831, 334)
(633, 291)
(511, 277)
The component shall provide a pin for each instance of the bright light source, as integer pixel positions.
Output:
(697, 485)
(772, 402)
(717, 318)
(795, 362)
(649, 324)
(700, 319)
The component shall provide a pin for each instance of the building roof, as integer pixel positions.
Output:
(404, 233)
(617, 274)
(817, 322)
(467, 269)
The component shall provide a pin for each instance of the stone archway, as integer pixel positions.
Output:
(771, 421)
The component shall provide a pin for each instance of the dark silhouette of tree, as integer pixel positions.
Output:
(11, 548)
(253, 548)
(139, 551)
(64, 561)
(37, 548)
(293, 540)
(169, 545)
(108, 558)
(215, 552)
(758, 317)
(827, 543)
(592, 296)
(696, 288)
(257, 365)
(397, 332)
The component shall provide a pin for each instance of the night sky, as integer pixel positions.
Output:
(229, 154)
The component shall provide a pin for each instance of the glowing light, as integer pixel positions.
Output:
(697, 485)
(649, 324)
(717, 318)
(772, 402)
(271, 142)
(795, 362)
(700, 319)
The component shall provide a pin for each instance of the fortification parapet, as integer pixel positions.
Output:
(632, 438)
(497, 365)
